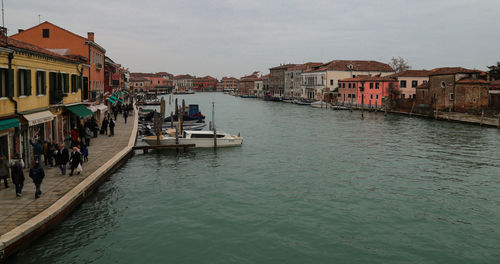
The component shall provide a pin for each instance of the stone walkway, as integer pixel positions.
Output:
(17, 210)
(467, 118)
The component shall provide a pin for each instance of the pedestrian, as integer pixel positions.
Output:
(87, 136)
(125, 115)
(75, 160)
(51, 153)
(62, 158)
(74, 134)
(94, 127)
(111, 127)
(4, 170)
(115, 112)
(16, 170)
(85, 152)
(37, 174)
(37, 150)
(45, 149)
(104, 126)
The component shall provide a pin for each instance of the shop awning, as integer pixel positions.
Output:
(101, 107)
(111, 100)
(92, 108)
(80, 111)
(116, 99)
(39, 117)
(9, 123)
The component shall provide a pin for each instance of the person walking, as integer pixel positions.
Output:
(115, 112)
(125, 115)
(87, 135)
(75, 160)
(111, 127)
(104, 126)
(62, 158)
(51, 153)
(4, 170)
(16, 170)
(37, 174)
(85, 152)
(94, 127)
(37, 150)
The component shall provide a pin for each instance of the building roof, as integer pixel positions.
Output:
(355, 65)
(472, 81)
(412, 73)
(138, 79)
(148, 74)
(24, 46)
(229, 79)
(183, 76)
(305, 66)
(452, 70)
(367, 78)
(206, 77)
(424, 85)
(283, 67)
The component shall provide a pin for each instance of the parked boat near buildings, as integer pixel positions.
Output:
(201, 139)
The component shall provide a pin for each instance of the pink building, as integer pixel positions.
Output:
(366, 90)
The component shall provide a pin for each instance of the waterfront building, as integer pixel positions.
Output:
(409, 80)
(160, 82)
(229, 84)
(265, 83)
(368, 91)
(140, 84)
(246, 84)
(125, 79)
(293, 79)
(183, 82)
(258, 87)
(69, 44)
(324, 79)
(112, 76)
(277, 79)
(494, 93)
(205, 84)
(40, 96)
(458, 89)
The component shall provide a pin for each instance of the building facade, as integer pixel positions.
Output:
(409, 80)
(205, 84)
(183, 82)
(229, 84)
(367, 91)
(277, 79)
(293, 79)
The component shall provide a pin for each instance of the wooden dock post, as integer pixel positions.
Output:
(498, 120)
(362, 106)
(412, 106)
(209, 125)
(449, 113)
(176, 136)
(215, 137)
(171, 120)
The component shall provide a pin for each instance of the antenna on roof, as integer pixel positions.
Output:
(39, 20)
(3, 21)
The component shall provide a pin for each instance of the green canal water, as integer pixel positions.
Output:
(307, 186)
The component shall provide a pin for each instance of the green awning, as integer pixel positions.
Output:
(116, 99)
(111, 100)
(9, 123)
(80, 110)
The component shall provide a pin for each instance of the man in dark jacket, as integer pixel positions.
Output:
(62, 158)
(4, 170)
(37, 174)
(104, 126)
(75, 160)
(16, 170)
(111, 127)
(37, 150)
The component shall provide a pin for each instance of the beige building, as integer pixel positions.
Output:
(409, 80)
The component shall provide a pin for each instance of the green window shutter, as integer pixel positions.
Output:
(28, 82)
(44, 83)
(19, 91)
(66, 83)
(10, 83)
(59, 83)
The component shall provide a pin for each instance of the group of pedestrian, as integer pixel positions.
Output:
(81, 135)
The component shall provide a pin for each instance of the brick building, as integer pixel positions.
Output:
(277, 79)
(204, 84)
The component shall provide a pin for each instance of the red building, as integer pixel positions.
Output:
(112, 76)
(160, 82)
(67, 43)
(207, 83)
(246, 84)
(366, 90)
(229, 84)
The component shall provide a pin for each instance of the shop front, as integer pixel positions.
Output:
(38, 126)
(9, 128)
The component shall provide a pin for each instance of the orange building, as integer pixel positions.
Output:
(64, 42)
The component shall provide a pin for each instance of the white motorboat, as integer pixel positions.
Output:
(321, 104)
(201, 139)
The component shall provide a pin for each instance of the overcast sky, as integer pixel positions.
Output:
(234, 38)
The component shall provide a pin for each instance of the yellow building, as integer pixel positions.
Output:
(40, 97)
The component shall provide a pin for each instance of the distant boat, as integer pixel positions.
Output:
(270, 97)
(201, 139)
(302, 102)
(248, 96)
(321, 104)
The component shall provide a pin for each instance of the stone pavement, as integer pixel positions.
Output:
(467, 118)
(17, 210)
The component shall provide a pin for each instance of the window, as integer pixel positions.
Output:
(331, 82)
(354, 85)
(371, 85)
(6, 82)
(371, 96)
(74, 83)
(403, 96)
(376, 96)
(65, 83)
(376, 85)
(402, 84)
(349, 85)
(40, 83)
(23, 82)
(349, 96)
(353, 95)
(45, 33)
(452, 96)
(443, 84)
(414, 84)
(343, 85)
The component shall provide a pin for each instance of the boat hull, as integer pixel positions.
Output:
(199, 142)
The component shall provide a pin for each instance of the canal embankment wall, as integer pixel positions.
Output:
(22, 235)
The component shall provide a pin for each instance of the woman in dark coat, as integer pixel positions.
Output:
(104, 126)
(37, 174)
(75, 160)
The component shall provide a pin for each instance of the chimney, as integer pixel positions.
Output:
(20, 30)
(3, 36)
(90, 36)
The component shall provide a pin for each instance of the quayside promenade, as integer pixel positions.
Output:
(16, 211)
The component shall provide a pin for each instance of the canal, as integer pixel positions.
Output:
(307, 186)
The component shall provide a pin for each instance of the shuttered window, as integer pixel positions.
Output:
(74, 87)
(41, 83)
(23, 82)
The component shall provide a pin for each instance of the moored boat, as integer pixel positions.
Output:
(201, 139)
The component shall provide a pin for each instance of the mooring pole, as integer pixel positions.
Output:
(215, 137)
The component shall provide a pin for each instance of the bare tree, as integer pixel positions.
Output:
(399, 64)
